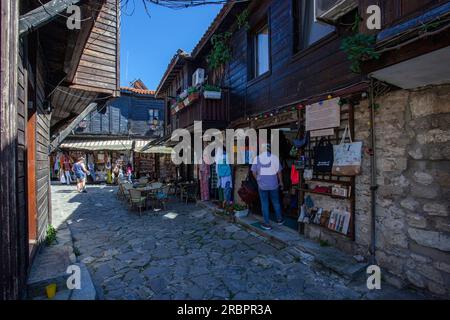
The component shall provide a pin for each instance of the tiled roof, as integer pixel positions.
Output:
(138, 91)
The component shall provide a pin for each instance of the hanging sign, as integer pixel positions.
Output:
(323, 115)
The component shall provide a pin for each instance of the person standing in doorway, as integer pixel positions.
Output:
(79, 168)
(266, 169)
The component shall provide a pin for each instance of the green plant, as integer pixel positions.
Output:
(324, 243)
(209, 87)
(359, 47)
(50, 237)
(242, 20)
(220, 53)
(192, 90)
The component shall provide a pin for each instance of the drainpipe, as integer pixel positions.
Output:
(373, 178)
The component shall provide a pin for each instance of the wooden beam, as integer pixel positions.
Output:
(63, 134)
(43, 14)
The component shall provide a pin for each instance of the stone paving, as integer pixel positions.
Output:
(188, 253)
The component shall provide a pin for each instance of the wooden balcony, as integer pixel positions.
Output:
(212, 113)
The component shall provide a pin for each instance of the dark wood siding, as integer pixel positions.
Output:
(126, 115)
(395, 11)
(98, 68)
(13, 246)
(316, 70)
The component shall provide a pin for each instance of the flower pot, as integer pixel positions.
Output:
(241, 214)
(212, 95)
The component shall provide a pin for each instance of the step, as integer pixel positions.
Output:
(327, 257)
(50, 267)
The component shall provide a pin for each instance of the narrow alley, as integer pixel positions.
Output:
(186, 252)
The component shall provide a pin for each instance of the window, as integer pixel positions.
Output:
(153, 115)
(307, 30)
(261, 51)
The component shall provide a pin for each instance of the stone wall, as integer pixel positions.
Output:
(413, 200)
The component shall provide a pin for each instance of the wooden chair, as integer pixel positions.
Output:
(120, 192)
(190, 192)
(137, 200)
(162, 196)
(126, 191)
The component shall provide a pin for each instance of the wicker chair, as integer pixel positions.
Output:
(126, 191)
(162, 196)
(190, 193)
(137, 200)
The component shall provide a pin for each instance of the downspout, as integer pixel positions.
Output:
(373, 173)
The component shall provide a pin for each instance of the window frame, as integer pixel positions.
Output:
(298, 28)
(252, 52)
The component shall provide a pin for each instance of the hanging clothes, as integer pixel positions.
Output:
(224, 181)
(204, 179)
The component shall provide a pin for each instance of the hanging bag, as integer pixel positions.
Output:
(323, 156)
(295, 176)
(347, 157)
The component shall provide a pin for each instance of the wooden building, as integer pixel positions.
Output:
(280, 57)
(117, 132)
(50, 74)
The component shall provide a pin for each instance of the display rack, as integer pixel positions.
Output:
(347, 118)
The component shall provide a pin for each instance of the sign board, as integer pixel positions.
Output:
(323, 115)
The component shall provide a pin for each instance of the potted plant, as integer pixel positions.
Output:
(240, 211)
(193, 95)
(212, 92)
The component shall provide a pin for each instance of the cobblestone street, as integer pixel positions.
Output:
(188, 253)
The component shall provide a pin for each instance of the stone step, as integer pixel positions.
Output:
(328, 258)
(86, 292)
(50, 267)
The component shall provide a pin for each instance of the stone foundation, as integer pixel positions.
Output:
(413, 200)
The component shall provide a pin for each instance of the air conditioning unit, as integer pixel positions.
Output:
(198, 77)
(330, 11)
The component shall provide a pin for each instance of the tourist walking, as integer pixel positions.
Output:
(79, 168)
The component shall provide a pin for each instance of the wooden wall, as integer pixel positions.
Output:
(395, 11)
(98, 68)
(126, 115)
(13, 260)
(293, 76)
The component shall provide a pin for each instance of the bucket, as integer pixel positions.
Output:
(51, 290)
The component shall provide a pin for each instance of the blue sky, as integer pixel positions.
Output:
(149, 43)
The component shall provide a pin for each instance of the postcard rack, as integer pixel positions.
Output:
(328, 179)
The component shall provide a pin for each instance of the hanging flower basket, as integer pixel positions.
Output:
(191, 99)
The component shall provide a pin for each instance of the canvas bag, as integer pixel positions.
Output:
(323, 157)
(347, 157)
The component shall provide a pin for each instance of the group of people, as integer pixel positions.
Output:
(266, 169)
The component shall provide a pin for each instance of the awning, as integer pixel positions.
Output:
(98, 145)
(145, 146)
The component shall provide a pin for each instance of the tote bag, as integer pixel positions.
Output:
(347, 157)
(323, 157)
